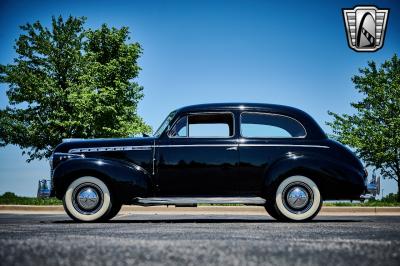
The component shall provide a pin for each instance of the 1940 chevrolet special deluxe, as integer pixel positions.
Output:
(253, 154)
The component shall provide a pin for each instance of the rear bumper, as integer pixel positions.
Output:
(44, 188)
(372, 190)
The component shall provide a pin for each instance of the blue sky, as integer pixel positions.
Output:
(286, 52)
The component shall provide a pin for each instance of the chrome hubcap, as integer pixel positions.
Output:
(87, 198)
(297, 197)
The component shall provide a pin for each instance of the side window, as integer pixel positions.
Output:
(180, 128)
(258, 125)
(204, 125)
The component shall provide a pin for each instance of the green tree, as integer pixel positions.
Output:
(374, 130)
(68, 82)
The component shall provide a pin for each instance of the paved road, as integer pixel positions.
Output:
(199, 240)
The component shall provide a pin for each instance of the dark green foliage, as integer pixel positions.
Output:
(10, 198)
(390, 198)
(67, 82)
(374, 129)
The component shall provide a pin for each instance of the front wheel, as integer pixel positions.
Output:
(297, 198)
(116, 207)
(87, 199)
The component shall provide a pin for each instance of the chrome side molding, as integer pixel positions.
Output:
(71, 139)
(183, 201)
(148, 147)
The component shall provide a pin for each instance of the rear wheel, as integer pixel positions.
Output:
(297, 198)
(88, 199)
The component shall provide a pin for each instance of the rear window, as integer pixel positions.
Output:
(259, 125)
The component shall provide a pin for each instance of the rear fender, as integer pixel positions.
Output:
(336, 180)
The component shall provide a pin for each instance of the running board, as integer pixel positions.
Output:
(193, 201)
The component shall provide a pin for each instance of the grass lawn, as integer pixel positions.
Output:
(371, 203)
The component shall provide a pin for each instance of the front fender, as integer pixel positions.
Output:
(335, 179)
(125, 180)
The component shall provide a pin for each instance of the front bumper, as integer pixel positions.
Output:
(44, 188)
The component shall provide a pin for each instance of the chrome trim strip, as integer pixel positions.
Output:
(130, 148)
(284, 145)
(197, 145)
(116, 148)
(198, 200)
(154, 157)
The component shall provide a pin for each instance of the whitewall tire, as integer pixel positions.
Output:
(87, 199)
(297, 198)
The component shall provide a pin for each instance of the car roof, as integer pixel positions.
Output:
(238, 106)
(313, 129)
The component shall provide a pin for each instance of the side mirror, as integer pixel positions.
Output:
(145, 135)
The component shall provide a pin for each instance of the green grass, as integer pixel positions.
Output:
(387, 201)
(10, 198)
(371, 203)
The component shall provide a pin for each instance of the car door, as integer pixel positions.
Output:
(198, 156)
(264, 139)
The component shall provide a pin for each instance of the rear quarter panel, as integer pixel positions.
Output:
(336, 171)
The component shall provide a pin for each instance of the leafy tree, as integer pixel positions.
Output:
(374, 130)
(68, 82)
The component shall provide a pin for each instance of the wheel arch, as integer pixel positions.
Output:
(127, 180)
(318, 170)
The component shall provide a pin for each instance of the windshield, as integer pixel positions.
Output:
(164, 124)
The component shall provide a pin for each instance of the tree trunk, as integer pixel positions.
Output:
(398, 189)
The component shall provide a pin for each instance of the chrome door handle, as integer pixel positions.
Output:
(232, 148)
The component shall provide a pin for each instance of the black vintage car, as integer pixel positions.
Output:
(254, 154)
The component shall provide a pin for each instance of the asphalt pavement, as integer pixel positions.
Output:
(129, 239)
